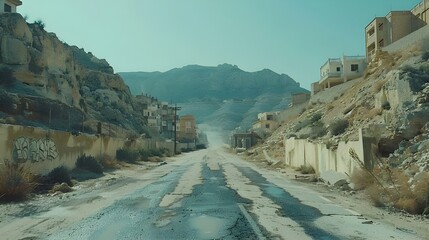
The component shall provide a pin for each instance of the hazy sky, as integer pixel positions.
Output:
(294, 37)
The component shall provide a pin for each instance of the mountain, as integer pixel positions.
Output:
(224, 95)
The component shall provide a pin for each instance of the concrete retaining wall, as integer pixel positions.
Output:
(300, 152)
(419, 39)
(42, 150)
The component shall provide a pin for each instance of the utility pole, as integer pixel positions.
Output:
(175, 126)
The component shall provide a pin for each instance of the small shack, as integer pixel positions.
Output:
(244, 140)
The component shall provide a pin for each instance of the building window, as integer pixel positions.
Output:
(380, 27)
(267, 126)
(7, 8)
(371, 32)
(354, 67)
(381, 43)
(338, 69)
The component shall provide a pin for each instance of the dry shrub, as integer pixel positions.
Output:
(361, 179)
(411, 205)
(339, 126)
(376, 195)
(109, 163)
(400, 181)
(16, 182)
(421, 190)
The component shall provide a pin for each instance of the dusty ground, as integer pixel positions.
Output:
(355, 200)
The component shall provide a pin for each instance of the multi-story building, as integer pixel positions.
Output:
(9, 5)
(383, 31)
(158, 116)
(421, 11)
(167, 120)
(187, 129)
(339, 70)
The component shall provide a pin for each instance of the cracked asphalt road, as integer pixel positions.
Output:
(207, 194)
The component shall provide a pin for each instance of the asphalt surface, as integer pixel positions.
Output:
(215, 210)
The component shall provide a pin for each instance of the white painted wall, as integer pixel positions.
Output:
(300, 152)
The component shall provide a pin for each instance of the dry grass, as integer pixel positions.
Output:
(109, 163)
(410, 205)
(361, 179)
(376, 195)
(16, 182)
(391, 187)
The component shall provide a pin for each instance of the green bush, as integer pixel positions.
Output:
(59, 175)
(316, 117)
(40, 24)
(339, 126)
(145, 153)
(127, 155)
(89, 163)
(16, 182)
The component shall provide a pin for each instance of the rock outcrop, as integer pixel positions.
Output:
(41, 76)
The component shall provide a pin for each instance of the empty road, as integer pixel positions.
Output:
(208, 194)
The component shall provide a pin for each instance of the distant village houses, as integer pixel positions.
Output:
(158, 116)
(187, 129)
(9, 6)
(266, 123)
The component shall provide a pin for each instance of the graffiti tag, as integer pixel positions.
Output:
(34, 150)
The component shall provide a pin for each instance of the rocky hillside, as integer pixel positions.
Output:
(392, 101)
(45, 82)
(224, 96)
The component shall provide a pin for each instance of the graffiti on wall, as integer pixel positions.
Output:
(34, 150)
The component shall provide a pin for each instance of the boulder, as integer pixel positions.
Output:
(13, 51)
(63, 187)
(332, 178)
(16, 25)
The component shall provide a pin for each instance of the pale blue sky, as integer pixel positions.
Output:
(294, 37)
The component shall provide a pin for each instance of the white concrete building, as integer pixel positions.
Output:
(9, 5)
(339, 70)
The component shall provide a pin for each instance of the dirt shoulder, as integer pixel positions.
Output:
(354, 200)
(44, 214)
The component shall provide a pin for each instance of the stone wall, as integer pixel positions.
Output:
(300, 152)
(43, 150)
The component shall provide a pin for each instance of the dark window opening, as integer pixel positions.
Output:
(338, 69)
(354, 67)
(7, 8)
(381, 43)
(380, 27)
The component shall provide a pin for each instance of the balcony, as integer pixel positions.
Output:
(336, 75)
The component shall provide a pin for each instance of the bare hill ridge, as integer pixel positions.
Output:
(223, 96)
